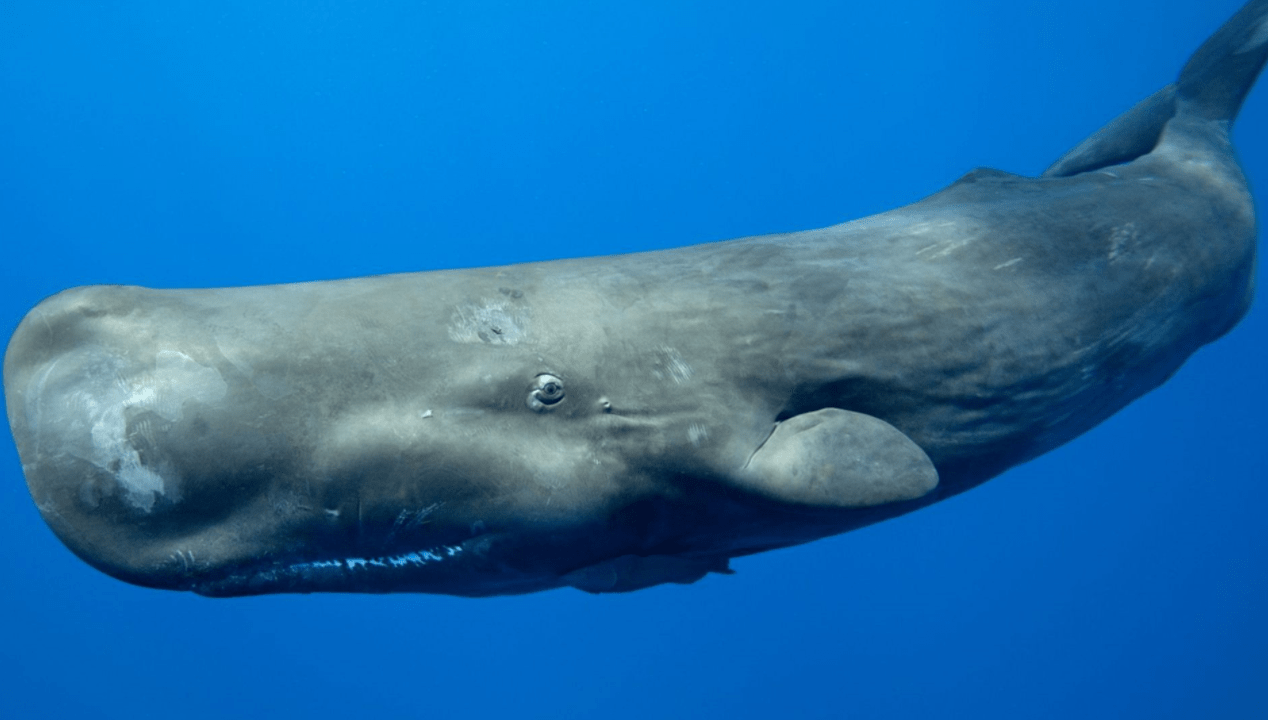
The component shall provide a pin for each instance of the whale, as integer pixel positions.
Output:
(616, 423)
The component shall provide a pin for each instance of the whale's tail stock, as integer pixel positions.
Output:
(1211, 87)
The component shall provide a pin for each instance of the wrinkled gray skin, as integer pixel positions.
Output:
(614, 423)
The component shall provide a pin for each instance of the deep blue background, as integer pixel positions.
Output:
(176, 144)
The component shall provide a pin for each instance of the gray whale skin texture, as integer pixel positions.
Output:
(615, 423)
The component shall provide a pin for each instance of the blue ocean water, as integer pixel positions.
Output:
(181, 144)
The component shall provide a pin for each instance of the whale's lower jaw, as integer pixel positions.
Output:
(447, 569)
(324, 575)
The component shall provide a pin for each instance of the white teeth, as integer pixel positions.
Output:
(413, 559)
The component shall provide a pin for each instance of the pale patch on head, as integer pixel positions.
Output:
(142, 485)
(496, 322)
(177, 379)
(1258, 36)
(83, 403)
(552, 467)
(239, 348)
(386, 428)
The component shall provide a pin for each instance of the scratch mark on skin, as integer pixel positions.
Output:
(672, 365)
(944, 248)
(1010, 263)
(186, 558)
(697, 434)
(950, 248)
(411, 520)
(928, 227)
(493, 322)
(1122, 239)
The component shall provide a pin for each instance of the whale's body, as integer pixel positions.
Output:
(618, 422)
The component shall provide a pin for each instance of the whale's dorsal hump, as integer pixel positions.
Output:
(1125, 138)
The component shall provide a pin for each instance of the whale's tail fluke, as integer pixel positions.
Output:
(1217, 78)
(1211, 86)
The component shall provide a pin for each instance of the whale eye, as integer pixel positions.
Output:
(547, 392)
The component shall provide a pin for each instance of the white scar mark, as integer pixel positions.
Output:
(1257, 38)
(697, 434)
(186, 558)
(412, 519)
(177, 378)
(92, 398)
(941, 248)
(928, 227)
(493, 321)
(1010, 263)
(241, 348)
(1122, 239)
(671, 365)
(951, 247)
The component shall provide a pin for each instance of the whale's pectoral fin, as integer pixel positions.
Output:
(635, 572)
(834, 458)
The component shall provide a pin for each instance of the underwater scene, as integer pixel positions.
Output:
(183, 145)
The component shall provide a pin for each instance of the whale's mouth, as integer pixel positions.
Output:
(386, 573)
